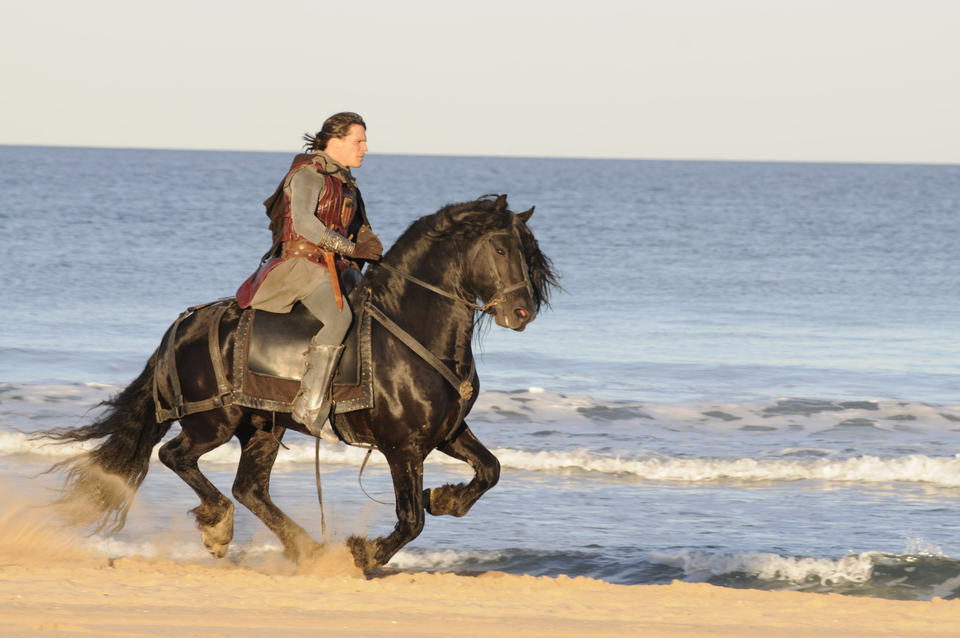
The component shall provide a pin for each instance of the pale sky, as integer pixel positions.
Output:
(808, 80)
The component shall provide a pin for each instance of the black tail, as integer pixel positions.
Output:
(100, 484)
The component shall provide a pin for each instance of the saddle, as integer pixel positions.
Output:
(268, 359)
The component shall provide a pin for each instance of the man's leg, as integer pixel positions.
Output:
(312, 404)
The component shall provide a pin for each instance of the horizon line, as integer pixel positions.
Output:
(519, 156)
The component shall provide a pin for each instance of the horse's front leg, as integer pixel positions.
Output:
(406, 468)
(456, 500)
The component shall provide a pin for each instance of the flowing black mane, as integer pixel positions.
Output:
(465, 221)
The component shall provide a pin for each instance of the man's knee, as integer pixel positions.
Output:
(336, 323)
(340, 321)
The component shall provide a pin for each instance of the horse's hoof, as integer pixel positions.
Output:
(443, 501)
(363, 552)
(216, 538)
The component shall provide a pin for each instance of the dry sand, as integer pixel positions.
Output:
(51, 586)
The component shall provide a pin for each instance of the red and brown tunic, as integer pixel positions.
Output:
(315, 215)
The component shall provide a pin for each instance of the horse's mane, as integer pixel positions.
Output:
(464, 220)
(473, 219)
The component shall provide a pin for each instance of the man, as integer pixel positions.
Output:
(320, 230)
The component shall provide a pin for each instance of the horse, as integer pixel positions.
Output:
(427, 283)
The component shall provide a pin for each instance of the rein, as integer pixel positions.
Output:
(432, 288)
(499, 296)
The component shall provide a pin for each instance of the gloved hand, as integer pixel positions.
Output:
(368, 245)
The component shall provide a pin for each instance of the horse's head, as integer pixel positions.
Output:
(503, 265)
(473, 251)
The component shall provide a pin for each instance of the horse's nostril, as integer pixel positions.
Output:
(520, 312)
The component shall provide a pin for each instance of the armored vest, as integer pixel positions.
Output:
(336, 209)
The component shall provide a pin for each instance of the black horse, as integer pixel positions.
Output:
(427, 284)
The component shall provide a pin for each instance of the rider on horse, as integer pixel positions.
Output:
(320, 236)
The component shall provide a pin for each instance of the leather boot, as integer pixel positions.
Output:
(311, 406)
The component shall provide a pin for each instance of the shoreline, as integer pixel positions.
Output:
(148, 597)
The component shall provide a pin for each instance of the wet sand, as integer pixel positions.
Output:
(135, 597)
(84, 595)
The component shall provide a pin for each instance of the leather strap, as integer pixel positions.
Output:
(167, 367)
(421, 350)
(213, 342)
(430, 287)
(302, 248)
(330, 260)
(463, 387)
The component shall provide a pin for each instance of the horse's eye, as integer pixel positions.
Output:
(501, 251)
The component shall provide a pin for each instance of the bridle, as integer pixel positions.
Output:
(500, 294)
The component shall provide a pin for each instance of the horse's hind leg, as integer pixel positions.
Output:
(199, 434)
(456, 500)
(252, 488)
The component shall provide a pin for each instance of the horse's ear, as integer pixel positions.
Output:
(526, 215)
(501, 204)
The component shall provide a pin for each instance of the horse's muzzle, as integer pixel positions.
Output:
(516, 319)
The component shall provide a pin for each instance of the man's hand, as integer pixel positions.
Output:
(368, 245)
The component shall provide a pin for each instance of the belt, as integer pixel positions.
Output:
(309, 250)
(303, 248)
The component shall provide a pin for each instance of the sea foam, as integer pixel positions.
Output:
(783, 440)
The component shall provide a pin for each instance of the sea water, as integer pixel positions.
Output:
(749, 377)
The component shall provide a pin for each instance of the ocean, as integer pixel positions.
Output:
(749, 378)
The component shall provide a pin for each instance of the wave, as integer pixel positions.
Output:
(944, 471)
(29, 406)
(918, 575)
(912, 576)
(775, 441)
(915, 468)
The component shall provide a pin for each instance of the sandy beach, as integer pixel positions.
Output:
(156, 598)
(51, 586)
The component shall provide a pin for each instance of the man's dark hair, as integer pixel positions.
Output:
(337, 125)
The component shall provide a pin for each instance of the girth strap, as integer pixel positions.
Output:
(213, 343)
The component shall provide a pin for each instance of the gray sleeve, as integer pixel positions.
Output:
(306, 187)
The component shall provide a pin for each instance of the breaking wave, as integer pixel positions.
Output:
(917, 574)
(917, 468)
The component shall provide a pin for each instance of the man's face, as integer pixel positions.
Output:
(349, 149)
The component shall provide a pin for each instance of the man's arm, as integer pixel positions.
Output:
(306, 187)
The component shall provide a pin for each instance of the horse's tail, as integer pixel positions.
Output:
(100, 484)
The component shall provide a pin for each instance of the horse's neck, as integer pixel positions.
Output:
(442, 324)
